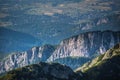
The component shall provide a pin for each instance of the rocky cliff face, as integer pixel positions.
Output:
(84, 45)
(73, 51)
(20, 59)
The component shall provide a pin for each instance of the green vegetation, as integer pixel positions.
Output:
(41, 71)
(106, 70)
(104, 67)
(100, 57)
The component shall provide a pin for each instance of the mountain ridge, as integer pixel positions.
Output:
(20, 59)
(104, 67)
(107, 68)
(41, 71)
(36, 54)
(86, 45)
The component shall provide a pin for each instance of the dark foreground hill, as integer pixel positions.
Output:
(104, 67)
(42, 71)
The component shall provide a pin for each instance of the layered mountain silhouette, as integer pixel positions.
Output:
(38, 42)
(103, 67)
(73, 52)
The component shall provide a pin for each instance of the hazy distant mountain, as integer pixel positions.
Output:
(54, 34)
(54, 20)
(104, 67)
(13, 41)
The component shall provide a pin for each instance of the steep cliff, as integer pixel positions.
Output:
(74, 51)
(85, 45)
(20, 59)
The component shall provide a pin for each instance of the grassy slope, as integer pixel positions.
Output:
(104, 67)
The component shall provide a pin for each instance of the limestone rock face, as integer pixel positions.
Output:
(20, 59)
(77, 50)
(74, 51)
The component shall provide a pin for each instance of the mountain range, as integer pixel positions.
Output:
(59, 39)
(16, 37)
(72, 52)
(54, 20)
(84, 46)
(103, 67)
